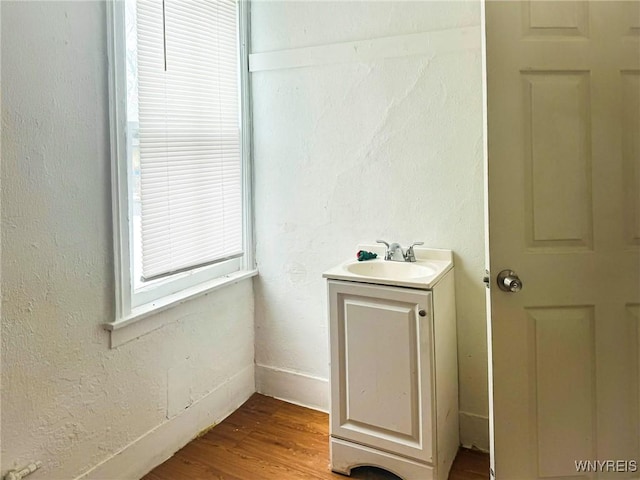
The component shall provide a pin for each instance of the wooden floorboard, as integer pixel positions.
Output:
(268, 439)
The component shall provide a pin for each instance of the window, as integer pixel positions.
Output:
(180, 143)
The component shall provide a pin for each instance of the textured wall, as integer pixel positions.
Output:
(352, 152)
(67, 399)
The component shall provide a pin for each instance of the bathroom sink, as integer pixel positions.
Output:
(390, 270)
(429, 267)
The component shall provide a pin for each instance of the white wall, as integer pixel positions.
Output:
(67, 399)
(355, 148)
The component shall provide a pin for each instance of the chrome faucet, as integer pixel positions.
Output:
(395, 253)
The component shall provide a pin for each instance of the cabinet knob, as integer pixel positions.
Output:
(422, 313)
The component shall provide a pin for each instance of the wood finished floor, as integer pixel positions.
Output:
(268, 439)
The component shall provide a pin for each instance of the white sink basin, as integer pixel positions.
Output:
(390, 270)
(429, 267)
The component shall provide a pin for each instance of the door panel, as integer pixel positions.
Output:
(630, 92)
(381, 366)
(563, 119)
(568, 19)
(557, 180)
(564, 351)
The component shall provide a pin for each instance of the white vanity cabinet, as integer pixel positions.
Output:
(394, 384)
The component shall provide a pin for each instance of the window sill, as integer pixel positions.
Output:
(143, 319)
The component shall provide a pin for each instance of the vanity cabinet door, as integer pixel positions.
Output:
(381, 368)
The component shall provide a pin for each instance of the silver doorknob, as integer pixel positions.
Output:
(508, 281)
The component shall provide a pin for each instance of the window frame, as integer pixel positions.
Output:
(131, 305)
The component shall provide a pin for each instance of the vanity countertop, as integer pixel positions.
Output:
(430, 266)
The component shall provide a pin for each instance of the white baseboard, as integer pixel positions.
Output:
(160, 443)
(474, 431)
(293, 387)
(313, 392)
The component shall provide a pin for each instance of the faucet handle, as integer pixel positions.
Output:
(382, 241)
(410, 255)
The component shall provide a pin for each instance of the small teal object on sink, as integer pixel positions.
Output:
(364, 255)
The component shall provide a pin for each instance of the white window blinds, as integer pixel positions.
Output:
(189, 133)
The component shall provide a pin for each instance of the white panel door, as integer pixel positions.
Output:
(381, 388)
(564, 214)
